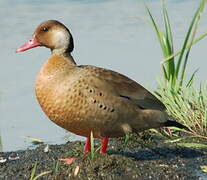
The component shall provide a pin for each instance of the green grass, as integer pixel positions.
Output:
(174, 64)
(94, 151)
(184, 102)
(188, 106)
(33, 177)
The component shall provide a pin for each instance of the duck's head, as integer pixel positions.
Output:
(51, 34)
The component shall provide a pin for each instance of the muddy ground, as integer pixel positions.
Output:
(144, 157)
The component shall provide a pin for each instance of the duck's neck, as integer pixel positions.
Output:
(62, 57)
(58, 64)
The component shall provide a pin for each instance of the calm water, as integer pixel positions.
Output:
(112, 34)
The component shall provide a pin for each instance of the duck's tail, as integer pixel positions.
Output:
(171, 123)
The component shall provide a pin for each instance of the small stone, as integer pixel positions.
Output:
(46, 149)
(2, 160)
(14, 158)
(76, 171)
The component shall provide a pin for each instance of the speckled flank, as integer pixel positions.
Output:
(85, 99)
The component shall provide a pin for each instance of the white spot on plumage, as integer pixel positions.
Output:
(126, 128)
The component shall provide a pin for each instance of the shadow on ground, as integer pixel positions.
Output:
(161, 153)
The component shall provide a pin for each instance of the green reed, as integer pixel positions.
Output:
(174, 64)
(183, 101)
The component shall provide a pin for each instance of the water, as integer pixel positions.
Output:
(112, 34)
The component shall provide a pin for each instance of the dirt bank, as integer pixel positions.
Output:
(139, 159)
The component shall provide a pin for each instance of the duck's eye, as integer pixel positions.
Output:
(45, 29)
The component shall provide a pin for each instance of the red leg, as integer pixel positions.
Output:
(104, 145)
(87, 146)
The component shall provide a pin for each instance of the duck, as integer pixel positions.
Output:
(85, 98)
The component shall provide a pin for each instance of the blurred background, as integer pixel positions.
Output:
(114, 34)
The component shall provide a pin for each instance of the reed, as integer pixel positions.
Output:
(184, 102)
(174, 64)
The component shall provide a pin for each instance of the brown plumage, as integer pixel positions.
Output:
(82, 99)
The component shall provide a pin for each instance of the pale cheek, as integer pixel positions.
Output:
(60, 39)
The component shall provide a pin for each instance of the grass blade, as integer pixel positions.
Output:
(169, 43)
(192, 145)
(92, 146)
(33, 171)
(204, 168)
(193, 22)
(188, 46)
(155, 26)
(42, 174)
(161, 39)
(197, 19)
(56, 167)
(190, 82)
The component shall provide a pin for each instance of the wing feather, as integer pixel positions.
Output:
(120, 85)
